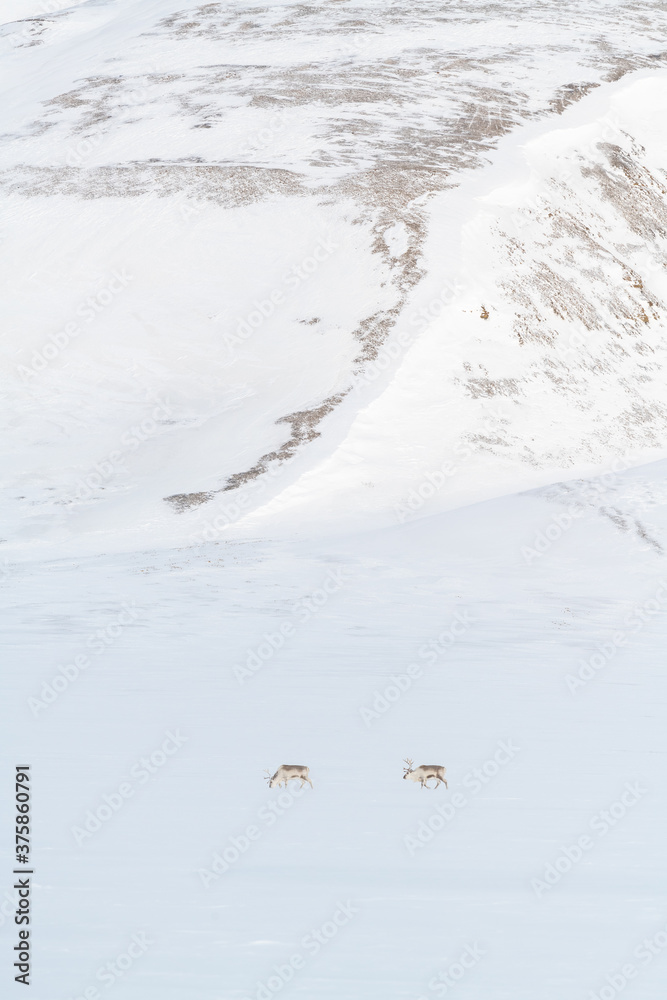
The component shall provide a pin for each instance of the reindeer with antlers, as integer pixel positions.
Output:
(424, 773)
(286, 772)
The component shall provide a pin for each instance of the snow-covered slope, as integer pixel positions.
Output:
(535, 344)
(334, 383)
(228, 232)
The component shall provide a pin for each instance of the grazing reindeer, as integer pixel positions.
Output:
(287, 771)
(424, 773)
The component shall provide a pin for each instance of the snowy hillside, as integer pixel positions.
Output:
(256, 233)
(335, 393)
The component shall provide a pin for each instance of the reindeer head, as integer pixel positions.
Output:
(407, 770)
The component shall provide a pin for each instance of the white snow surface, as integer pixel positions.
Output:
(333, 378)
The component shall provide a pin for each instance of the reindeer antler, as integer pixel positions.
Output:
(267, 774)
(406, 760)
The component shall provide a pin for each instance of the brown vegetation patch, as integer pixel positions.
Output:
(303, 424)
(229, 186)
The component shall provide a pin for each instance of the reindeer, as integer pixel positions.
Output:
(286, 772)
(424, 773)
